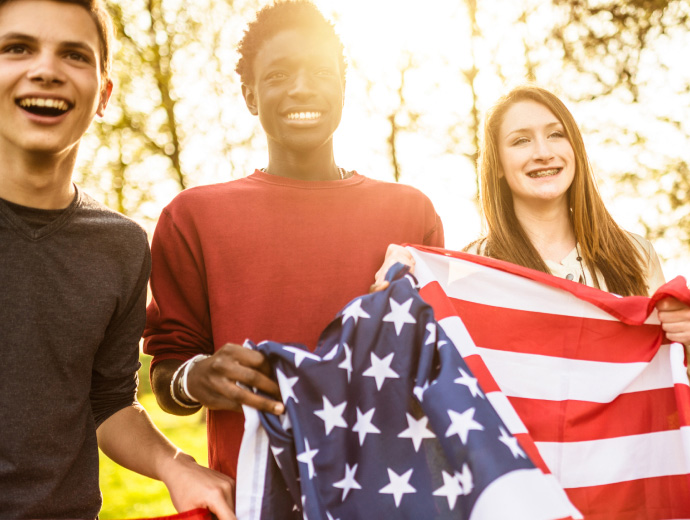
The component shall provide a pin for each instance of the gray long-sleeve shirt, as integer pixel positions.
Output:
(72, 303)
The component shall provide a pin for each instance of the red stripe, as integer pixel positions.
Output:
(434, 295)
(559, 336)
(572, 421)
(555, 335)
(645, 499)
(479, 370)
(683, 400)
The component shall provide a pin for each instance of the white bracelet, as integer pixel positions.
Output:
(183, 378)
(173, 385)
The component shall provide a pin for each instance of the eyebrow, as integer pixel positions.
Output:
(314, 58)
(523, 130)
(16, 36)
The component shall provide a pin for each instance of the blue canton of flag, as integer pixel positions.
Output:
(383, 420)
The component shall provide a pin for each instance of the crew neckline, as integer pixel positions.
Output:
(260, 176)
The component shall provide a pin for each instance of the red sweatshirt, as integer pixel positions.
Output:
(267, 257)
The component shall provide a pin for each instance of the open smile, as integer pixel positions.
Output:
(47, 107)
(536, 174)
(303, 116)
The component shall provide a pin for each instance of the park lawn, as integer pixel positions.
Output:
(129, 495)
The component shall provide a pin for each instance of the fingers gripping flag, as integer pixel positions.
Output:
(386, 420)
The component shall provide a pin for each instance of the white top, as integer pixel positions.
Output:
(570, 268)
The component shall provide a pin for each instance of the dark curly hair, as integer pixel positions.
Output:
(283, 15)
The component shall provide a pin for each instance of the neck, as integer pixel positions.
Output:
(38, 181)
(316, 165)
(549, 229)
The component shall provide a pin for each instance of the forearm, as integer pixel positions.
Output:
(161, 377)
(132, 440)
(129, 438)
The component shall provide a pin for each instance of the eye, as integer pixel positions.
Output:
(325, 72)
(519, 141)
(15, 48)
(76, 56)
(557, 134)
(276, 76)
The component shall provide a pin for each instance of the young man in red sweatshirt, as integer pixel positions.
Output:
(277, 254)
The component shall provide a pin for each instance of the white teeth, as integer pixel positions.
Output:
(544, 173)
(43, 102)
(303, 116)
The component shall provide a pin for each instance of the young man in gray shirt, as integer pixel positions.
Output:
(73, 277)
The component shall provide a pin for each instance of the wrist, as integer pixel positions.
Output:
(184, 377)
(171, 465)
(179, 390)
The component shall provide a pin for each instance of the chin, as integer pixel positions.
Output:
(47, 148)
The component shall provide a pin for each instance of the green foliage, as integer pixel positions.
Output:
(129, 495)
(628, 59)
(415, 99)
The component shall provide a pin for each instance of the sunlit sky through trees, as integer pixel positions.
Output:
(447, 65)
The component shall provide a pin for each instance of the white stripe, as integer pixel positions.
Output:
(551, 378)
(251, 467)
(457, 332)
(607, 461)
(677, 362)
(525, 494)
(476, 283)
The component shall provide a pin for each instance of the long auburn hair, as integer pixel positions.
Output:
(602, 244)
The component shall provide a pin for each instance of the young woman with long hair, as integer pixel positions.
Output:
(542, 209)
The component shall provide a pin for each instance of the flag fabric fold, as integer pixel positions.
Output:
(386, 419)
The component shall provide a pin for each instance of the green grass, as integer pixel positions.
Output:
(129, 495)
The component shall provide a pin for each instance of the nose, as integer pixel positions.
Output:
(301, 86)
(46, 69)
(542, 149)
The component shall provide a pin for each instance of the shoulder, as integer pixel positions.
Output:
(394, 193)
(643, 245)
(653, 272)
(103, 220)
(390, 187)
(198, 197)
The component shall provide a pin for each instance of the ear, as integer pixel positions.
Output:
(105, 97)
(250, 99)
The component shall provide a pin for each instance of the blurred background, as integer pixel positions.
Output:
(421, 75)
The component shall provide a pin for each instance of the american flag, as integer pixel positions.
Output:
(387, 420)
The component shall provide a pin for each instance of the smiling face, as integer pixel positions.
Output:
(297, 92)
(50, 76)
(537, 159)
